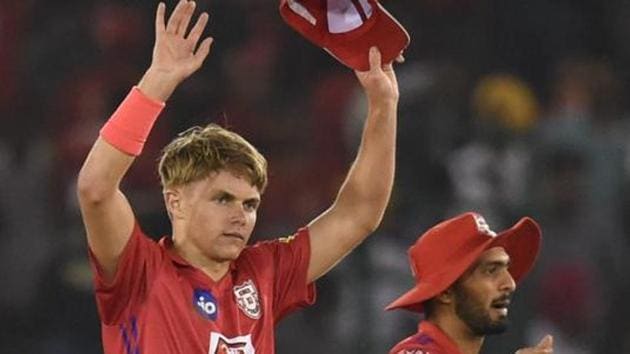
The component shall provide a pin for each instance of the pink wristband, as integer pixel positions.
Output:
(128, 128)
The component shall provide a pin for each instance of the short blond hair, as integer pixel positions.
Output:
(199, 151)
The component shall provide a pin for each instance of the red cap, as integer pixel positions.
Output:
(443, 253)
(347, 28)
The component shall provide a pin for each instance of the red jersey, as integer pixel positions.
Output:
(159, 304)
(429, 340)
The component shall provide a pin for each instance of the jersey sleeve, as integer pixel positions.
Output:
(291, 256)
(118, 298)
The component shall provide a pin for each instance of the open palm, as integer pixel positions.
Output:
(176, 54)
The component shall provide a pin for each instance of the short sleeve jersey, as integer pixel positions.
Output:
(428, 340)
(158, 303)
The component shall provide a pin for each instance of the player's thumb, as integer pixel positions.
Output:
(375, 58)
(545, 343)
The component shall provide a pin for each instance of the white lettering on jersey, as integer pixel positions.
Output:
(220, 344)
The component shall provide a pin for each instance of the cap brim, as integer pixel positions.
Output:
(522, 243)
(413, 299)
(386, 33)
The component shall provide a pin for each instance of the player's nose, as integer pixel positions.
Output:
(238, 214)
(508, 283)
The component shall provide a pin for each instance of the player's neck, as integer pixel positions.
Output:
(467, 342)
(214, 269)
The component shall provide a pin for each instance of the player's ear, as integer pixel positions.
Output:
(446, 297)
(173, 203)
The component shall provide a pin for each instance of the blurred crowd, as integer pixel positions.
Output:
(509, 108)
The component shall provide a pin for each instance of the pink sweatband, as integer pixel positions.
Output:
(128, 128)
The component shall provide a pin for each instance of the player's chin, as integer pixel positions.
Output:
(231, 252)
(500, 321)
(496, 326)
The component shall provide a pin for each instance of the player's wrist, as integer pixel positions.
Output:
(158, 84)
(382, 103)
(128, 128)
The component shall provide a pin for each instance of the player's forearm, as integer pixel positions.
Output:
(102, 172)
(121, 139)
(368, 187)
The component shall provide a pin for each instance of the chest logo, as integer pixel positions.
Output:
(247, 299)
(205, 304)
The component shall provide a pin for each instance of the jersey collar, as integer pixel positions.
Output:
(439, 337)
(166, 243)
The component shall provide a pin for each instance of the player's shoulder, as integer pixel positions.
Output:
(417, 344)
(270, 246)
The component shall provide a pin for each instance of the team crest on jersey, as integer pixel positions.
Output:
(247, 299)
(220, 344)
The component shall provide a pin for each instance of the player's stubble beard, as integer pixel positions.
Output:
(476, 316)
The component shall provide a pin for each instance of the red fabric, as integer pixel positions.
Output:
(130, 125)
(351, 48)
(443, 253)
(429, 340)
(150, 306)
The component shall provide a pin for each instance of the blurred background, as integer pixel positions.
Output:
(507, 107)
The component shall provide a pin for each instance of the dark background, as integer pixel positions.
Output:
(507, 107)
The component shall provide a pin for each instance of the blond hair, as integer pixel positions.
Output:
(199, 151)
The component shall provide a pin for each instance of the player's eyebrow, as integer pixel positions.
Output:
(496, 263)
(221, 193)
(253, 200)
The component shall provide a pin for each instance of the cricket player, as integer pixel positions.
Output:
(203, 289)
(465, 276)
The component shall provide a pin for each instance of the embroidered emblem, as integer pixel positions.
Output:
(247, 299)
(483, 226)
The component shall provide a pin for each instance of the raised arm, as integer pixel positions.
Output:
(107, 215)
(363, 197)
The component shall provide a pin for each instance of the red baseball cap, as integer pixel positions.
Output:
(442, 254)
(347, 28)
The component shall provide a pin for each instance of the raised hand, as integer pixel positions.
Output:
(379, 82)
(177, 53)
(545, 346)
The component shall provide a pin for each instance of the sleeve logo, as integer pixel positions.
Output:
(247, 299)
(287, 239)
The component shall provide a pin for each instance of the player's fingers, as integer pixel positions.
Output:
(202, 52)
(159, 19)
(375, 59)
(187, 14)
(546, 342)
(388, 69)
(176, 17)
(197, 30)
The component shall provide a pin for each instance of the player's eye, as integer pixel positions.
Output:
(251, 205)
(491, 270)
(222, 198)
